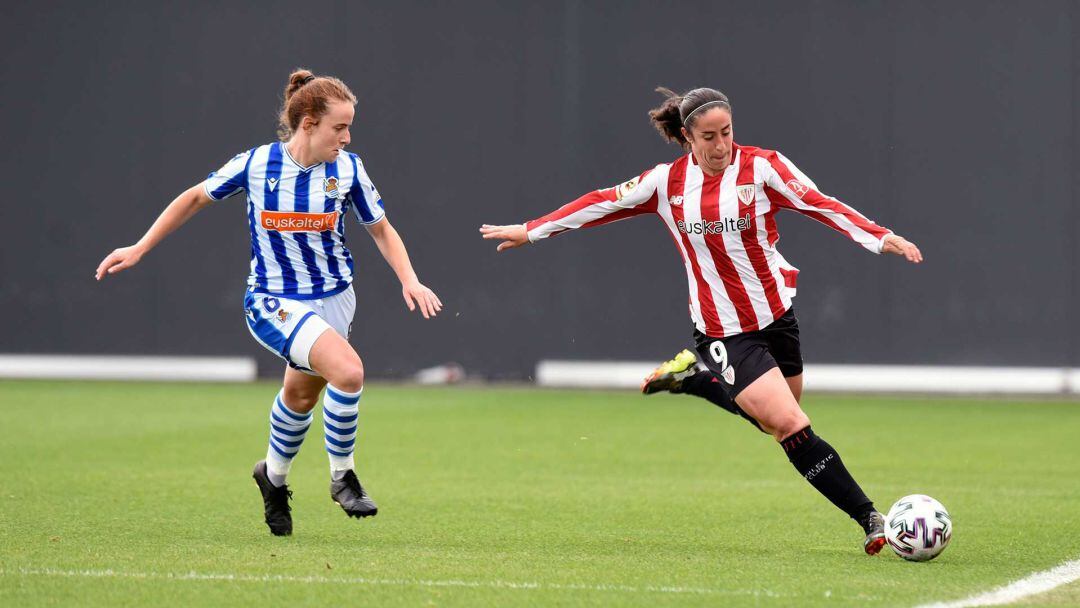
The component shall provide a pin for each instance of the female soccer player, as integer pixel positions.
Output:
(300, 302)
(719, 202)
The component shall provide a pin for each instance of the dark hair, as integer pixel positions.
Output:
(678, 111)
(309, 95)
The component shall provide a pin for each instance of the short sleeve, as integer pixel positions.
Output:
(366, 201)
(230, 178)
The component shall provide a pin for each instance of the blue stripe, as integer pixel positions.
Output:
(342, 454)
(288, 444)
(260, 265)
(330, 205)
(285, 410)
(342, 399)
(296, 330)
(285, 431)
(270, 203)
(265, 330)
(339, 430)
(305, 296)
(339, 419)
(284, 454)
(359, 202)
(341, 444)
(303, 183)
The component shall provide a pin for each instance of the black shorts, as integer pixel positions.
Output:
(739, 360)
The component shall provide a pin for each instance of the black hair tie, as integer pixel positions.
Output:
(307, 80)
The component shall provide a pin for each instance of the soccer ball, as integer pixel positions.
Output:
(918, 528)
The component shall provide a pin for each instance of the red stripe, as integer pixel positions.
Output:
(819, 200)
(750, 241)
(770, 225)
(779, 200)
(676, 186)
(592, 198)
(736, 291)
(790, 277)
(647, 207)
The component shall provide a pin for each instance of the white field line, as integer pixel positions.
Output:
(1039, 582)
(393, 582)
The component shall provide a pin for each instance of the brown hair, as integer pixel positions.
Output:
(676, 110)
(309, 95)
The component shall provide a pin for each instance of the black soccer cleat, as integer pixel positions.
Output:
(275, 502)
(351, 497)
(874, 526)
(669, 375)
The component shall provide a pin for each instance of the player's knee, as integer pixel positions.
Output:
(790, 424)
(351, 377)
(299, 400)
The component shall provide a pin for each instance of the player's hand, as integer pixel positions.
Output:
(423, 297)
(511, 236)
(120, 259)
(898, 245)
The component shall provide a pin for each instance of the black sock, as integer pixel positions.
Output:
(704, 384)
(819, 463)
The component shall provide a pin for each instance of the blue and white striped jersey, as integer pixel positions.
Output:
(296, 217)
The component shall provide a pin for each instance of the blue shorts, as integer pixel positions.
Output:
(289, 328)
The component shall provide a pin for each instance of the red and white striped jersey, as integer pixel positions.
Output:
(725, 228)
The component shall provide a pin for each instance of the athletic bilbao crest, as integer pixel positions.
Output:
(624, 189)
(746, 193)
(329, 185)
(797, 187)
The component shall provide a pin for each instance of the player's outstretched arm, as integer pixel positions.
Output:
(392, 248)
(511, 236)
(898, 245)
(179, 211)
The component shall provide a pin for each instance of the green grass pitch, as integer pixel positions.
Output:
(140, 494)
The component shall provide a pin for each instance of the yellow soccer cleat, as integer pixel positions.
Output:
(669, 375)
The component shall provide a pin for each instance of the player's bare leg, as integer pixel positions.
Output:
(301, 391)
(795, 384)
(771, 401)
(333, 358)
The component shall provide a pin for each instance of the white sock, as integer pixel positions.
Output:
(287, 431)
(340, 411)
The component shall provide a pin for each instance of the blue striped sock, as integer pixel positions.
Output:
(287, 430)
(340, 411)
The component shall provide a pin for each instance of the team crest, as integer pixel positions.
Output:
(797, 187)
(330, 187)
(746, 193)
(283, 315)
(624, 189)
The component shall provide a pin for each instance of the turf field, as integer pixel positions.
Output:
(140, 494)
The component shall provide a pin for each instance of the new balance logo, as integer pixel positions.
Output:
(272, 182)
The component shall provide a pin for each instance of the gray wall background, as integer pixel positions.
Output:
(954, 123)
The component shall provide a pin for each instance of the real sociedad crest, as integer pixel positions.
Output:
(746, 193)
(330, 188)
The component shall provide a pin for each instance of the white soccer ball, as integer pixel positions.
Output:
(918, 528)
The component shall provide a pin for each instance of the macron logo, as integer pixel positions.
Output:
(272, 182)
